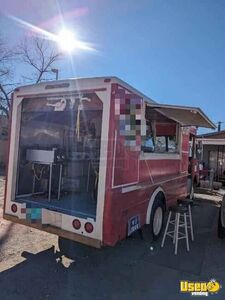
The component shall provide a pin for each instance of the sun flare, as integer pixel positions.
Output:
(67, 40)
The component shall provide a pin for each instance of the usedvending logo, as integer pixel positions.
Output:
(200, 288)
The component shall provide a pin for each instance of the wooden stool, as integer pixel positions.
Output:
(179, 211)
(188, 203)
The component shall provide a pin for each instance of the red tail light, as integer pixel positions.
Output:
(14, 208)
(88, 227)
(76, 224)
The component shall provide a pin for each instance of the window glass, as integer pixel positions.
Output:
(160, 144)
(172, 144)
(161, 134)
(148, 144)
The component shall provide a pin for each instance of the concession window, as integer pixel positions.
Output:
(184, 115)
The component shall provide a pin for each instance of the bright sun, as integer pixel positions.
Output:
(67, 40)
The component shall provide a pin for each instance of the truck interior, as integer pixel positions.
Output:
(59, 153)
(161, 138)
(162, 133)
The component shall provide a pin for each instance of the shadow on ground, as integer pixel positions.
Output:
(128, 271)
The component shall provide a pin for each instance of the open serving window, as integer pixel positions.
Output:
(162, 126)
(59, 153)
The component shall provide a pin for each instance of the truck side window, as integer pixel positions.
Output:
(148, 144)
(162, 134)
(172, 144)
(160, 144)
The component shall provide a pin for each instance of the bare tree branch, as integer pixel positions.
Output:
(37, 54)
(4, 110)
(40, 55)
(3, 91)
(6, 58)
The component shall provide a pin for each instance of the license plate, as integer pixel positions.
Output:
(133, 224)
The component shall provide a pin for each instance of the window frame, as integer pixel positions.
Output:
(164, 155)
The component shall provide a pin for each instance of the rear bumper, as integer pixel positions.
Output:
(54, 230)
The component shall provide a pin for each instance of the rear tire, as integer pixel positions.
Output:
(152, 231)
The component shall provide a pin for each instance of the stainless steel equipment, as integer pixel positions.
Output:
(42, 156)
(49, 158)
(45, 156)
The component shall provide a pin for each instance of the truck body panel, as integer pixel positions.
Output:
(87, 156)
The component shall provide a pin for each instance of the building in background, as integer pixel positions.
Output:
(213, 153)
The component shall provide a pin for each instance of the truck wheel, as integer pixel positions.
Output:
(74, 250)
(153, 230)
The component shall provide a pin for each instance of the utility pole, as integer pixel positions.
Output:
(56, 71)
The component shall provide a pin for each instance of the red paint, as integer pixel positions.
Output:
(124, 167)
(14, 208)
(88, 227)
(76, 224)
(120, 207)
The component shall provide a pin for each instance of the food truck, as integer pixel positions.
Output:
(93, 159)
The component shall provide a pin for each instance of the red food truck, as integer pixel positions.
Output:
(93, 159)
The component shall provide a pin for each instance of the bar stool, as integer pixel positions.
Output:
(188, 203)
(179, 211)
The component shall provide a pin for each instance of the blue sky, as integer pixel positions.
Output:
(171, 50)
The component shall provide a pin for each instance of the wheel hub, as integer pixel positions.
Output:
(157, 221)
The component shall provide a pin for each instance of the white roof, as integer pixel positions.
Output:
(186, 116)
(75, 84)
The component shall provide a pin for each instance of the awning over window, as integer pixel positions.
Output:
(184, 115)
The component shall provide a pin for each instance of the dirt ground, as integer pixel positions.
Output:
(15, 238)
(30, 268)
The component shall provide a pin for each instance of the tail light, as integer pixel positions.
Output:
(88, 227)
(14, 208)
(76, 224)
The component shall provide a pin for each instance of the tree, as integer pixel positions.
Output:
(40, 55)
(6, 57)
